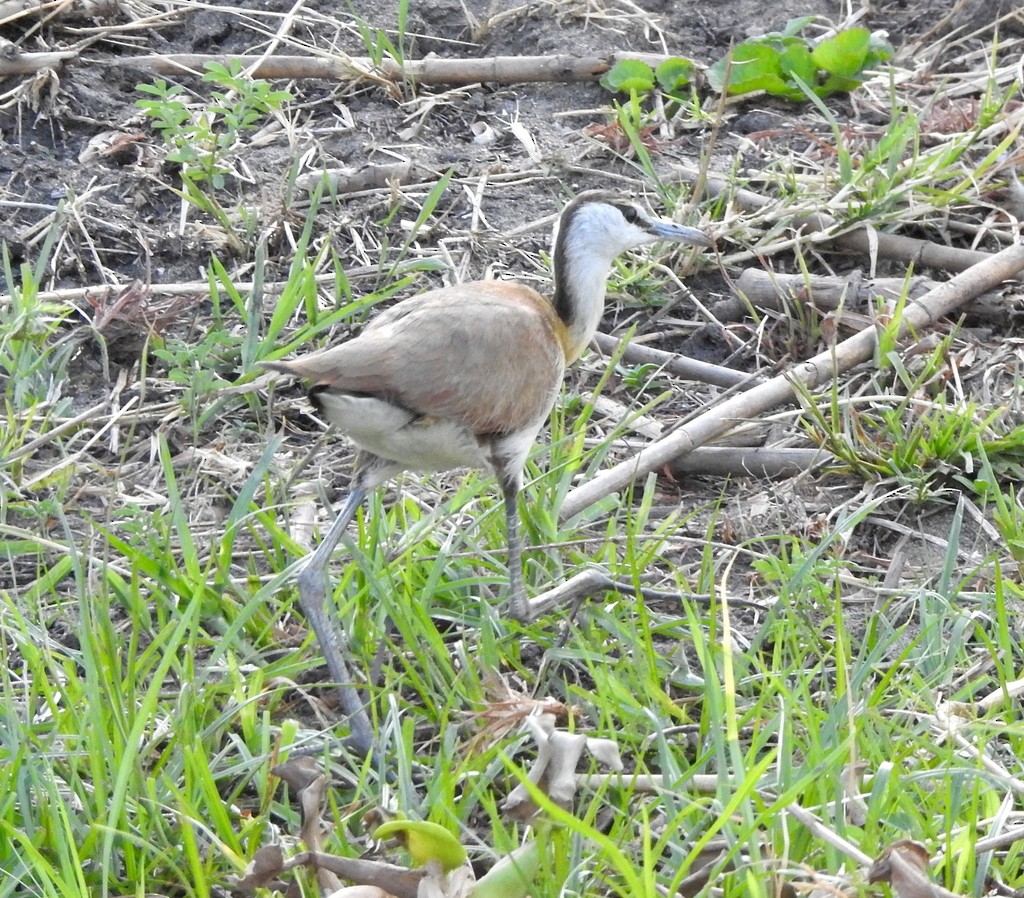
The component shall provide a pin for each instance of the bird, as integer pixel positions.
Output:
(465, 376)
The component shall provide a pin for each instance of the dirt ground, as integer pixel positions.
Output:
(123, 222)
(128, 225)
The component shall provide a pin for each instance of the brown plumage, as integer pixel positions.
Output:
(434, 332)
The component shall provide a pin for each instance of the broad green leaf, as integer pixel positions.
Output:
(796, 60)
(754, 66)
(628, 75)
(836, 84)
(425, 841)
(794, 26)
(844, 53)
(674, 73)
(879, 50)
(513, 876)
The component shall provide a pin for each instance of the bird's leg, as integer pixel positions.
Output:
(313, 601)
(519, 604)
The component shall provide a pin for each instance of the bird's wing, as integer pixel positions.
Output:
(489, 354)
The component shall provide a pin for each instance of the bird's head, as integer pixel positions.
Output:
(606, 224)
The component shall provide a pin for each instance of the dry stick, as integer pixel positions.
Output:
(922, 253)
(102, 291)
(680, 365)
(13, 9)
(812, 373)
(579, 586)
(749, 461)
(821, 831)
(394, 880)
(368, 177)
(741, 459)
(1002, 840)
(500, 69)
(27, 63)
(706, 783)
(767, 290)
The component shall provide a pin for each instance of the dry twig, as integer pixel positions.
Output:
(766, 290)
(493, 69)
(922, 253)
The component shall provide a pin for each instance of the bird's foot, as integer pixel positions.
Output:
(579, 586)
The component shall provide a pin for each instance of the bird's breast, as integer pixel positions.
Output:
(417, 442)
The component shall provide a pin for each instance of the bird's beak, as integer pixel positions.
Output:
(667, 230)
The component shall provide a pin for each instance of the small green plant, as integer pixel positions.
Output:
(635, 76)
(201, 137)
(656, 96)
(784, 63)
(1009, 520)
(33, 358)
(199, 367)
(918, 442)
(787, 64)
(1007, 510)
(899, 171)
(378, 43)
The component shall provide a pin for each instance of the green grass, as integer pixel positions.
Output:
(154, 668)
(147, 690)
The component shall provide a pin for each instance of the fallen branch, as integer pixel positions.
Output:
(74, 10)
(493, 69)
(15, 9)
(368, 177)
(820, 830)
(94, 293)
(862, 240)
(680, 365)
(749, 461)
(706, 783)
(593, 581)
(765, 290)
(739, 459)
(857, 349)
(29, 63)
(394, 880)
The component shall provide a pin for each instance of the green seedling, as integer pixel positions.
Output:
(201, 136)
(787, 64)
(635, 76)
(425, 841)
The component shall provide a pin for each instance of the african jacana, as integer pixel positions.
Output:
(465, 376)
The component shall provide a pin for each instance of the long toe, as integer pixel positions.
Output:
(519, 606)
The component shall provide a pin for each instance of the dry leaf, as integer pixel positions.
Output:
(505, 712)
(298, 772)
(267, 864)
(855, 807)
(554, 770)
(305, 775)
(904, 865)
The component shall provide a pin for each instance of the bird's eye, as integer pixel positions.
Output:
(629, 213)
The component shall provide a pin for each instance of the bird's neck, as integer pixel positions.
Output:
(581, 279)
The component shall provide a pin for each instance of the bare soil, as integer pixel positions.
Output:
(128, 220)
(123, 222)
